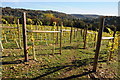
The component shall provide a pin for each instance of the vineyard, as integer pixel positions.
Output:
(37, 51)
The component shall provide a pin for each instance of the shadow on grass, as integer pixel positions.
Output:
(73, 65)
(11, 62)
(52, 54)
(67, 47)
(3, 56)
(76, 76)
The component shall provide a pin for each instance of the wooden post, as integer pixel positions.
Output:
(95, 39)
(102, 20)
(36, 28)
(33, 50)
(53, 50)
(57, 36)
(60, 39)
(81, 31)
(19, 33)
(74, 33)
(83, 34)
(16, 40)
(25, 37)
(77, 33)
(112, 44)
(85, 38)
(71, 34)
(5, 38)
(119, 53)
(1, 46)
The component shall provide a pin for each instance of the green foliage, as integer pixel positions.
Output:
(4, 21)
(110, 31)
(39, 22)
(48, 17)
(29, 21)
(15, 21)
(74, 60)
(9, 19)
(54, 23)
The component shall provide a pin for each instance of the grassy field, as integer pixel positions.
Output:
(74, 62)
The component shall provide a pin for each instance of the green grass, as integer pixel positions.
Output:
(74, 59)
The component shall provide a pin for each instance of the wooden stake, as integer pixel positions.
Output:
(53, 51)
(118, 54)
(16, 40)
(111, 52)
(77, 33)
(36, 28)
(33, 49)
(57, 36)
(95, 39)
(1, 46)
(102, 20)
(25, 37)
(60, 39)
(71, 34)
(74, 33)
(81, 31)
(85, 37)
(19, 34)
(5, 38)
(83, 34)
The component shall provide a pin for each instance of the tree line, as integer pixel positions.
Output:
(38, 17)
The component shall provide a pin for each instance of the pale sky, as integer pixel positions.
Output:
(59, 0)
(99, 7)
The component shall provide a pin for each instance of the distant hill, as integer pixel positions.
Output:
(17, 12)
(8, 11)
(77, 20)
(80, 16)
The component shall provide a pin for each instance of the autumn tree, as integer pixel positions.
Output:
(50, 18)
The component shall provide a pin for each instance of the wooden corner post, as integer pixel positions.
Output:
(102, 20)
(24, 37)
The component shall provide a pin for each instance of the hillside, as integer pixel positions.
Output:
(76, 20)
(7, 11)
(80, 16)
